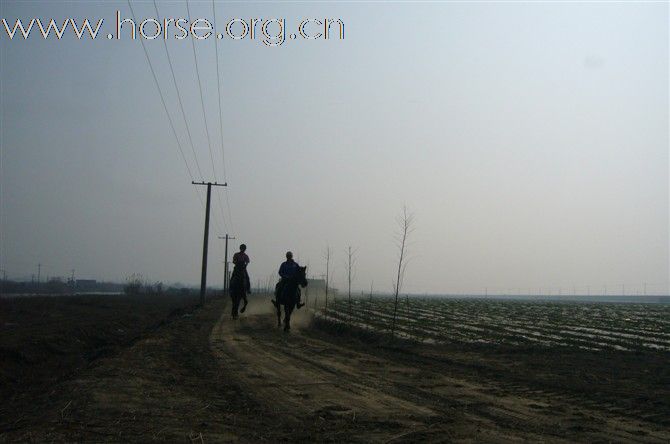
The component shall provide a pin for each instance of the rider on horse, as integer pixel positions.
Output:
(240, 262)
(288, 270)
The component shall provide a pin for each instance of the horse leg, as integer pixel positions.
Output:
(278, 306)
(236, 305)
(288, 308)
(244, 307)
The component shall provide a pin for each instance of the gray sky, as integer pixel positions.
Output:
(529, 139)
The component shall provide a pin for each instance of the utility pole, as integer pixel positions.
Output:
(71, 284)
(225, 263)
(203, 277)
(39, 271)
(224, 279)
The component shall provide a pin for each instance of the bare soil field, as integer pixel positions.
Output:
(201, 377)
(45, 340)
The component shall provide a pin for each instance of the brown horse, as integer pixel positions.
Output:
(287, 294)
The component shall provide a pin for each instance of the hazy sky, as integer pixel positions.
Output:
(530, 140)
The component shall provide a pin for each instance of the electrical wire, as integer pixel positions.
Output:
(181, 104)
(204, 114)
(218, 84)
(162, 96)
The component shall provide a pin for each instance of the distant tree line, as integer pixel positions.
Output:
(57, 285)
(134, 285)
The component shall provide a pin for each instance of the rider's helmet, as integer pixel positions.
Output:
(289, 255)
(243, 247)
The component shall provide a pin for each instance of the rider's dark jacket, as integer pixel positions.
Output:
(288, 269)
(240, 261)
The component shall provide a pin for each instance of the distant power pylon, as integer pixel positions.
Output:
(203, 276)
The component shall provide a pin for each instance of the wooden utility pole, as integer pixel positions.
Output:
(203, 276)
(225, 263)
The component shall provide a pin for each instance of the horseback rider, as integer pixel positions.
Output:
(240, 262)
(288, 270)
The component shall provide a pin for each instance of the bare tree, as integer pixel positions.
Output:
(326, 256)
(268, 284)
(351, 263)
(306, 289)
(369, 310)
(405, 221)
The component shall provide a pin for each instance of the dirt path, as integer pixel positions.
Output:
(312, 379)
(203, 378)
(301, 378)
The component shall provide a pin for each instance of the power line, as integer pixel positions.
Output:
(202, 100)
(160, 92)
(172, 126)
(218, 84)
(181, 104)
(181, 108)
(218, 87)
(204, 114)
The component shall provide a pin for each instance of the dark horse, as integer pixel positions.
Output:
(287, 294)
(238, 290)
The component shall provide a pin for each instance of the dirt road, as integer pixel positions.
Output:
(316, 381)
(202, 377)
